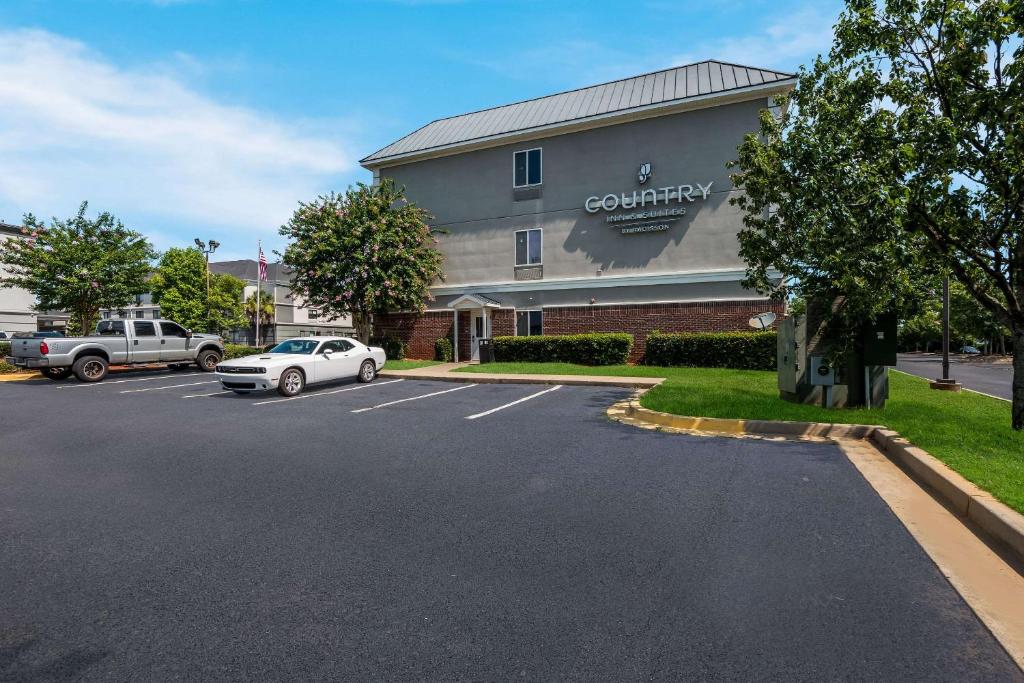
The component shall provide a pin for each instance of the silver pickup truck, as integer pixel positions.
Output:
(118, 342)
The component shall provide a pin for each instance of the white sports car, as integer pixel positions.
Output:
(292, 364)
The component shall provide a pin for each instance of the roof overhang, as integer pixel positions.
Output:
(650, 111)
(470, 301)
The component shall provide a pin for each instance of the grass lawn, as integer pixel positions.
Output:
(409, 364)
(969, 432)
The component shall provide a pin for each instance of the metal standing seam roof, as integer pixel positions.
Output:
(660, 87)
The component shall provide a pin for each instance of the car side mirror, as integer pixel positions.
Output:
(328, 352)
(188, 334)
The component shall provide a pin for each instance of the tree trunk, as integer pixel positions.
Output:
(1018, 380)
(363, 322)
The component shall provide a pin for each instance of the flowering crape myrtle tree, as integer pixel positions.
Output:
(362, 253)
(78, 265)
(897, 159)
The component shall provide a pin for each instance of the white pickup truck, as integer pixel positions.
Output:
(118, 342)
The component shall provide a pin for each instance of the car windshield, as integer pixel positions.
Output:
(306, 346)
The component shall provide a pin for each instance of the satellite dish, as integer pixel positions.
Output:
(762, 321)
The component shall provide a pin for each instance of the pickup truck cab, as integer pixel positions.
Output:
(118, 342)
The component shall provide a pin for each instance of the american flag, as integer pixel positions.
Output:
(263, 266)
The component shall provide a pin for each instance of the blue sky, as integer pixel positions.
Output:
(213, 118)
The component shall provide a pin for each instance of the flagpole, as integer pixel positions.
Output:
(258, 288)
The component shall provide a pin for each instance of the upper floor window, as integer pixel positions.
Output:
(527, 168)
(528, 247)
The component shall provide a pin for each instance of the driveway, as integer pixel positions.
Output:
(153, 527)
(980, 374)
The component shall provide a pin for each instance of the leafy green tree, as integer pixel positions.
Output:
(898, 157)
(179, 287)
(362, 253)
(78, 265)
(266, 309)
(227, 310)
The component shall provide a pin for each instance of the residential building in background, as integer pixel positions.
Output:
(291, 317)
(16, 305)
(599, 209)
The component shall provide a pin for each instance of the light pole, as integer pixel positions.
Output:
(207, 250)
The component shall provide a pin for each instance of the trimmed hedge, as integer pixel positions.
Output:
(239, 350)
(5, 350)
(736, 350)
(584, 349)
(394, 348)
(443, 350)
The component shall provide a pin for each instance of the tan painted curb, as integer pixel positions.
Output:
(19, 376)
(565, 380)
(1004, 524)
(995, 518)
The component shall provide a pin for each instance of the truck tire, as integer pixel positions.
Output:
(56, 373)
(292, 382)
(90, 368)
(207, 360)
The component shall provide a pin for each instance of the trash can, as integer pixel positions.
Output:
(486, 350)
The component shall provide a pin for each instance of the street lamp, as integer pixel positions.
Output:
(207, 250)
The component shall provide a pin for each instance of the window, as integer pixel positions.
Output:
(529, 323)
(337, 346)
(145, 329)
(106, 315)
(140, 313)
(172, 330)
(111, 328)
(528, 247)
(313, 313)
(156, 314)
(304, 346)
(527, 168)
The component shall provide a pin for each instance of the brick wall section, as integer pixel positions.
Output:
(419, 331)
(642, 319)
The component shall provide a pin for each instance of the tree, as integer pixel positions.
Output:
(179, 287)
(78, 265)
(898, 158)
(266, 308)
(363, 253)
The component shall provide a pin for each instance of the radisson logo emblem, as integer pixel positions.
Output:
(644, 174)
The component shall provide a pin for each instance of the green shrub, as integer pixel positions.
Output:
(737, 350)
(394, 348)
(239, 350)
(5, 350)
(584, 349)
(443, 350)
(7, 368)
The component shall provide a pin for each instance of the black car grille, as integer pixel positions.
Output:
(239, 385)
(238, 371)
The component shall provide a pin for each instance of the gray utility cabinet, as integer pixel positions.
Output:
(805, 370)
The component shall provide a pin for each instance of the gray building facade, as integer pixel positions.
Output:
(601, 209)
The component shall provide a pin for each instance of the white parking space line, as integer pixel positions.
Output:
(414, 398)
(173, 386)
(327, 393)
(513, 403)
(136, 379)
(215, 393)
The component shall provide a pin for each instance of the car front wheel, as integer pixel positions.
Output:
(291, 383)
(207, 361)
(367, 371)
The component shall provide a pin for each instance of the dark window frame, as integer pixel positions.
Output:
(527, 168)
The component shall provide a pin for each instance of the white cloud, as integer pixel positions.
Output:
(795, 39)
(147, 146)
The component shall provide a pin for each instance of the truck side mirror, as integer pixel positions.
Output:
(188, 334)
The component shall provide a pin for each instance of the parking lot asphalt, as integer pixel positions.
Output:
(994, 379)
(153, 527)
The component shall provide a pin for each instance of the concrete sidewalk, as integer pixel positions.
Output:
(444, 373)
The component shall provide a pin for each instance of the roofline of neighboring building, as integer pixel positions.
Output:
(739, 94)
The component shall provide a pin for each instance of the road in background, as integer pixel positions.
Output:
(973, 372)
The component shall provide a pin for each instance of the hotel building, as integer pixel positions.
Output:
(602, 209)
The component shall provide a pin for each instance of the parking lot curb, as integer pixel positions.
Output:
(18, 376)
(564, 380)
(997, 520)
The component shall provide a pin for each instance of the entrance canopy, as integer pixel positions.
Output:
(471, 301)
